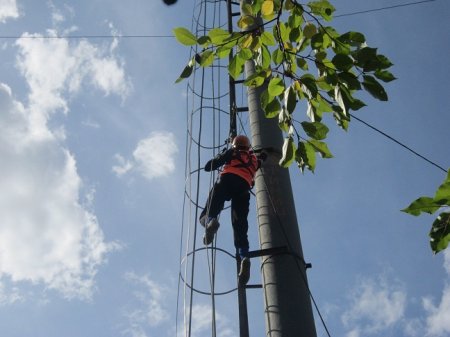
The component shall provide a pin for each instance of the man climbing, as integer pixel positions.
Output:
(235, 181)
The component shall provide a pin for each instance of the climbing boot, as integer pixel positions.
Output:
(210, 230)
(244, 272)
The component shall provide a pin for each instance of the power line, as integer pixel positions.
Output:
(86, 36)
(384, 8)
(152, 36)
(399, 143)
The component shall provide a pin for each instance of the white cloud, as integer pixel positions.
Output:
(375, 306)
(56, 67)
(46, 235)
(201, 324)
(413, 327)
(438, 321)
(8, 10)
(10, 294)
(123, 165)
(153, 157)
(151, 308)
(150, 311)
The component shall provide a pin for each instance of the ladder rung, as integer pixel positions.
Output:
(242, 109)
(268, 251)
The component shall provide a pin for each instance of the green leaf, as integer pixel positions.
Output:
(265, 57)
(288, 152)
(206, 58)
(341, 119)
(246, 21)
(422, 204)
(223, 51)
(323, 84)
(340, 47)
(284, 120)
(267, 38)
(281, 31)
(440, 233)
(247, 41)
(322, 8)
(309, 85)
(305, 156)
(303, 44)
(295, 20)
(255, 80)
(246, 9)
(356, 104)
(277, 56)
(187, 71)
(353, 38)
(276, 86)
(384, 75)
(289, 5)
(323, 106)
(309, 30)
(315, 130)
(204, 40)
(443, 194)
(236, 66)
(290, 99)
(301, 63)
(350, 79)
(339, 98)
(342, 62)
(295, 35)
(383, 61)
(311, 111)
(267, 8)
(218, 35)
(184, 36)
(317, 41)
(374, 88)
(245, 54)
(270, 105)
(321, 147)
(366, 58)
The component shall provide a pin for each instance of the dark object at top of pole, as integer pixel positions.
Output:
(169, 2)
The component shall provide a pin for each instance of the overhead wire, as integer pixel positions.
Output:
(383, 8)
(398, 142)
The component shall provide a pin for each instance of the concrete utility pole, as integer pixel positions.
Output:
(288, 304)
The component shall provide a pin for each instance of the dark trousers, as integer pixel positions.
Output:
(234, 188)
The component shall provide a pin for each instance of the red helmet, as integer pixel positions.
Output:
(241, 142)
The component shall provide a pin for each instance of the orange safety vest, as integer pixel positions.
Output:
(244, 164)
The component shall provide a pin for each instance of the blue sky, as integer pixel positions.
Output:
(93, 147)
